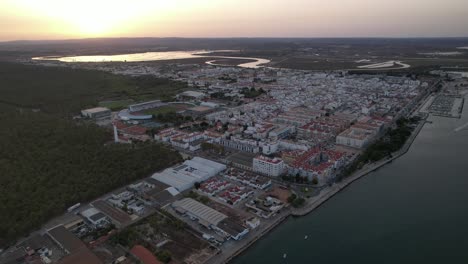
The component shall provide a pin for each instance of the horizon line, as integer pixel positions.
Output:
(214, 38)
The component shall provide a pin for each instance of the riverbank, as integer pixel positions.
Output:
(234, 250)
(398, 206)
(326, 194)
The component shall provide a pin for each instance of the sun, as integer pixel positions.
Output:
(97, 18)
(85, 18)
(95, 26)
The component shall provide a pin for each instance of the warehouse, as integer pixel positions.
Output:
(184, 176)
(96, 217)
(97, 113)
(145, 106)
(210, 218)
(206, 216)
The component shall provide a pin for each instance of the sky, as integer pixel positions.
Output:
(65, 19)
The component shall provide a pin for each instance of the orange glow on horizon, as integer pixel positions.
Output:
(55, 19)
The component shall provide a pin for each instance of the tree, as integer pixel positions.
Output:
(203, 199)
(291, 198)
(164, 256)
(315, 181)
(298, 177)
(126, 237)
(298, 202)
(65, 161)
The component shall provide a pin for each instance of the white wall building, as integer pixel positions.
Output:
(355, 137)
(184, 176)
(271, 167)
(97, 113)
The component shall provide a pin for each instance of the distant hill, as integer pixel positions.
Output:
(118, 45)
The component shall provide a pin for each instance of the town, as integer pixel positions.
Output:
(259, 144)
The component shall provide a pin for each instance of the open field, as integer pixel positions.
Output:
(302, 53)
(116, 105)
(167, 109)
(58, 90)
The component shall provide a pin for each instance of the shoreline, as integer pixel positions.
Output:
(336, 188)
(319, 200)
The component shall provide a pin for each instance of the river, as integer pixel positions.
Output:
(158, 56)
(414, 210)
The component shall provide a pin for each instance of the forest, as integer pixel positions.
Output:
(48, 161)
(62, 90)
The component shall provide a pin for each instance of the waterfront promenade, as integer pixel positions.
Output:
(233, 248)
(327, 193)
(230, 251)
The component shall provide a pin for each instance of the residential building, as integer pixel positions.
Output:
(268, 166)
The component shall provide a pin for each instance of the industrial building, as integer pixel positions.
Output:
(127, 115)
(210, 218)
(145, 106)
(184, 176)
(96, 217)
(72, 245)
(97, 113)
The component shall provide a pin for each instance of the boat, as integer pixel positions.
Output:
(284, 255)
(306, 237)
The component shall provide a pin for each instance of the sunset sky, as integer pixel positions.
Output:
(59, 19)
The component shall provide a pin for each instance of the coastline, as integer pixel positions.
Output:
(337, 187)
(317, 201)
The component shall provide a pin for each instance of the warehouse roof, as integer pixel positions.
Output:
(96, 110)
(199, 210)
(184, 176)
(192, 94)
(66, 239)
(83, 255)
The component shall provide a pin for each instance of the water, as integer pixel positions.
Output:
(414, 210)
(157, 56)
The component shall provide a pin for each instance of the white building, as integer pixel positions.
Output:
(271, 167)
(269, 148)
(210, 218)
(184, 176)
(356, 137)
(191, 96)
(245, 145)
(97, 113)
(95, 216)
(145, 105)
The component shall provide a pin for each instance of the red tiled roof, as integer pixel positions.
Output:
(135, 130)
(120, 125)
(144, 255)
